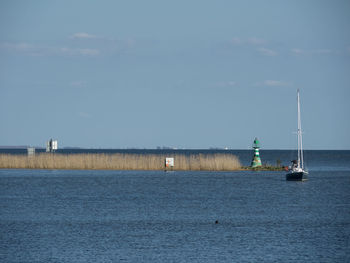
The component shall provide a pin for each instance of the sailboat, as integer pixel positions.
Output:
(296, 171)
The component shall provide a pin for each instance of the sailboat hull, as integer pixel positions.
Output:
(296, 176)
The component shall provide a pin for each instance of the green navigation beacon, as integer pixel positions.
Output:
(256, 162)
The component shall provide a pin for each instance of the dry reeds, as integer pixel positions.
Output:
(118, 161)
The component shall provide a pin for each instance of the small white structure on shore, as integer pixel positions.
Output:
(51, 146)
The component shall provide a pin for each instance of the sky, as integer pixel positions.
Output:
(185, 74)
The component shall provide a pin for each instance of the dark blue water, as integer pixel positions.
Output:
(152, 216)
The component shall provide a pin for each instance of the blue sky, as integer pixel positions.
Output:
(186, 74)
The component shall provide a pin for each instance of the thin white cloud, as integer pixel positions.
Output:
(299, 52)
(83, 35)
(106, 41)
(267, 52)
(231, 83)
(88, 52)
(65, 51)
(77, 51)
(253, 44)
(273, 83)
(35, 50)
(28, 49)
(236, 41)
(78, 83)
(130, 42)
(16, 46)
(255, 41)
(84, 115)
(322, 51)
(226, 84)
(24, 48)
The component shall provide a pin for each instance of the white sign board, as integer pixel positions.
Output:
(51, 146)
(31, 151)
(169, 162)
(54, 145)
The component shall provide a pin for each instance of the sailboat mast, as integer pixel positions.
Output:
(300, 139)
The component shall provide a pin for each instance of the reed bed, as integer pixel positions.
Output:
(118, 161)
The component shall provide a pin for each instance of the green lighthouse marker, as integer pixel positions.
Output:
(256, 162)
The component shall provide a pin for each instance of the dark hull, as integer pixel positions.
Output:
(301, 176)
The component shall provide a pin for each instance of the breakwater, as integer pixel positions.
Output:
(120, 161)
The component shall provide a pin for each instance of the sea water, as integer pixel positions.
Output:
(155, 216)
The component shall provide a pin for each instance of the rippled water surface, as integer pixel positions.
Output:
(153, 216)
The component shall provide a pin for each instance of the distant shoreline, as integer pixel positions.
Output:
(64, 149)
